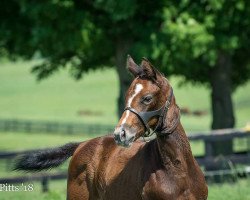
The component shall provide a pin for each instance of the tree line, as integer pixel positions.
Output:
(204, 42)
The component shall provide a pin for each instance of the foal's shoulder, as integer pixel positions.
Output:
(91, 146)
(104, 146)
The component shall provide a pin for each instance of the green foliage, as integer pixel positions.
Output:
(195, 33)
(183, 37)
(80, 35)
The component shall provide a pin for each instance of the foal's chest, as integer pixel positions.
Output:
(166, 185)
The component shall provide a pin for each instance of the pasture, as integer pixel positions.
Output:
(93, 100)
(21, 141)
(239, 191)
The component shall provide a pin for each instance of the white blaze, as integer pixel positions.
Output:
(138, 88)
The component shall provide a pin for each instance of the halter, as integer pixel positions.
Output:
(146, 116)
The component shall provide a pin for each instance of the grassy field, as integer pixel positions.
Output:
(236, 191)
(11, 141)
(239, 191)
(22, 141)
(57, 192)
(60, 98)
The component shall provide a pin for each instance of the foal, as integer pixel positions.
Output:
(163, 168)
(104, 169)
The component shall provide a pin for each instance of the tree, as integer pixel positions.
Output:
(208, 42)
(79, 35)
(205, 41)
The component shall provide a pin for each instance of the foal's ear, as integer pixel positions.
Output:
(132, 66)
(148, 69)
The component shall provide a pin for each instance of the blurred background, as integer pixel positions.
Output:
(63, 78)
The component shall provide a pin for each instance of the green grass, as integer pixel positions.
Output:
(60, 98)
(23, 141)
(236, 191)
(57, 192)
(12, 141)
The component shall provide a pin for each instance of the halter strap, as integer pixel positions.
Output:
(163, 131)
(146, 116)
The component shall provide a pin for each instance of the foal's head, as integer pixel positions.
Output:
(145, 102)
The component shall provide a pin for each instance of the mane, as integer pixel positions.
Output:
(142, 75)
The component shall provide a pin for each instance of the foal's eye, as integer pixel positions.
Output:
(147, 99)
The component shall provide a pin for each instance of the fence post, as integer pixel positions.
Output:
(45, 184)
(208, 149)
(248, 146)
(218, 162)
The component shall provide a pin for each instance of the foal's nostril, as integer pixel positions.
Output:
(123, 134)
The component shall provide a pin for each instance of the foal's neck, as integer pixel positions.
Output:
(173, 147)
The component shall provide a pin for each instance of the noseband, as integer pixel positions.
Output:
(146, 116)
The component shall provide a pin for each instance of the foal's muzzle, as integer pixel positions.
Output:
(124, 135)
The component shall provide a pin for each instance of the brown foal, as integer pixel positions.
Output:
(163, 168)
(112, 168)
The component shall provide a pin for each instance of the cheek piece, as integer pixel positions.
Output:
(146, 116)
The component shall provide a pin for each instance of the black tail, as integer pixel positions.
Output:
(45, 159)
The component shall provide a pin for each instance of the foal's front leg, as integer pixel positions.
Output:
(77, 188)
(157, 188)
(162, 186)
